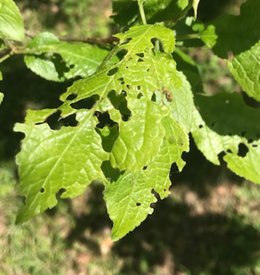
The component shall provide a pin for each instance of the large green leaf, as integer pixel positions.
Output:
(242, 155)
(58, 60)
(126, 116)
(246, 69)
(129, 199)
(11, 22)
(238, 33)
(227, 114)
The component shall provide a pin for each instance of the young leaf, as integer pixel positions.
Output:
(245, 68)
(11, 22)
(57, 60)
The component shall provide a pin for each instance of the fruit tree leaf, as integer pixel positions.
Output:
(129, 199)
(227, 114)
(240, 154)
(11, 22)
(245, 68)
(242, 31)
(135, 95)
(58, 60)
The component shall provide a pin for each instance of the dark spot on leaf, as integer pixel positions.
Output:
(112, 71)
(140, 60)
(42, 190)
(242, 150)
(138, 204)
(128, 86)
(86, 103)
(71, 96)
(200, 126)
(254, 145)
(145, 167)
(138, 87)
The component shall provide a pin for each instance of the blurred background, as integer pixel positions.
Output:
(209, 225)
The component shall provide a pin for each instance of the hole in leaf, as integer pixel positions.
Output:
(120, 103)
(69, 121)
(86, 103)
(158, 46)
(138, 204)
(140, 55)
(126, 41)
(121, 54)
(229, 151)
(104, 119)
(145, 167)
(140, 95)
(121, 79)
(42, 190)
(71, 96)
(174, 168)
(59, 194)
(140, 60)
(242, 150)
(200, 126)
(138, 87)
(110, 173)
(54, 120)
(254, 145)
(112, 71)
(153, 98)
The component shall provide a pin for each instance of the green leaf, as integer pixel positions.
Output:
(129, 199)
(126, 11)
(246, 70)
(11, 22)
(238, 33)
(100, 113)
(64, 160)
(57, 60)
(227, 114)
(240, 154)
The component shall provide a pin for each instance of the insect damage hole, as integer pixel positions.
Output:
(242, 150)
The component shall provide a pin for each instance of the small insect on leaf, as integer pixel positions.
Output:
(167, 94)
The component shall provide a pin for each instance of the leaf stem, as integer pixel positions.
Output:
(188, 36)
(141, 11)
